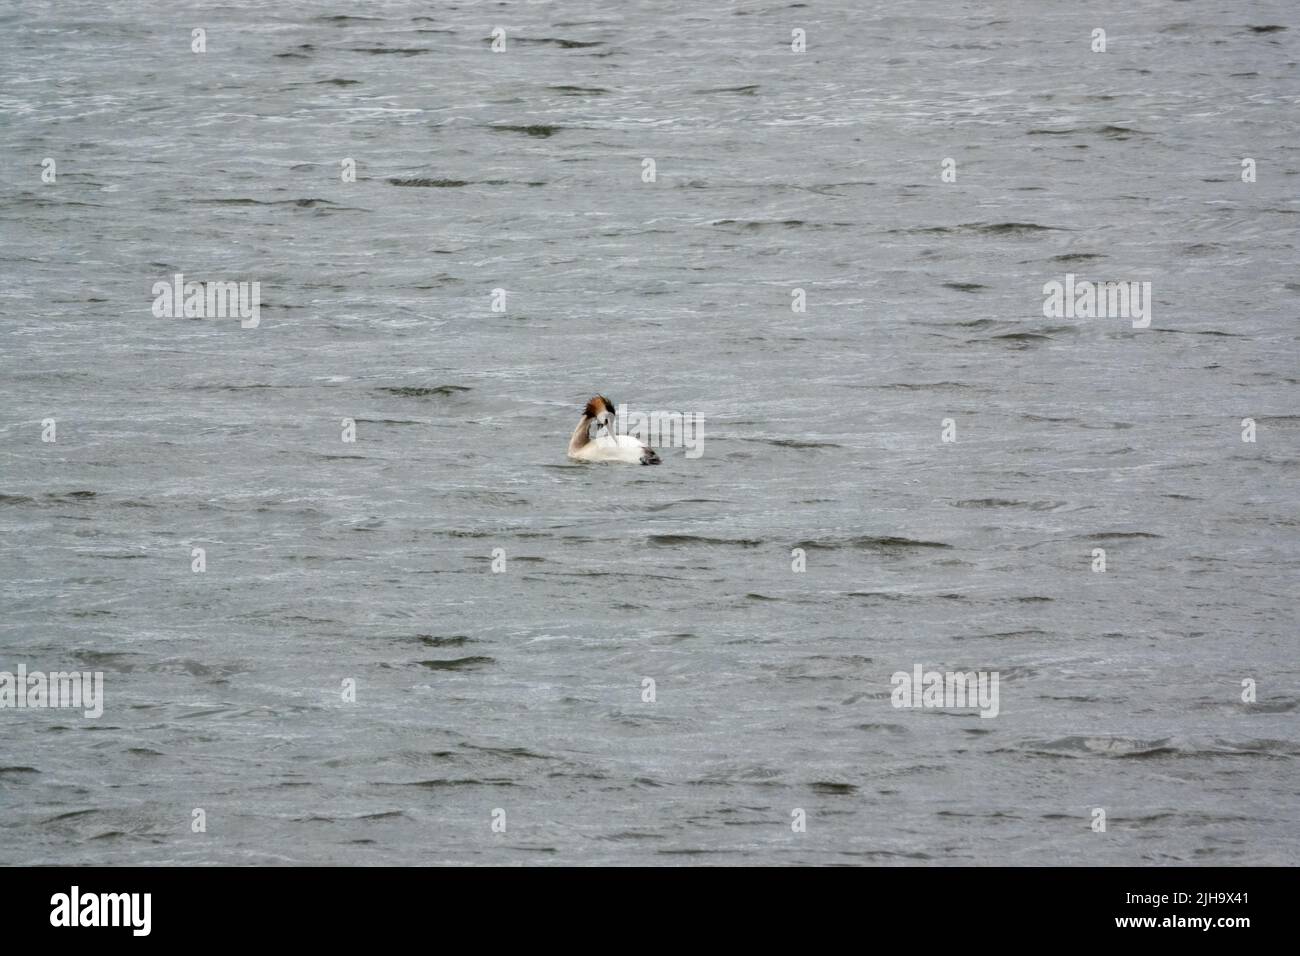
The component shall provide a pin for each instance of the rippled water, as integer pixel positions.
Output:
(522, 691)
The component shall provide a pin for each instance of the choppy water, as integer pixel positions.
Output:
(522, 690)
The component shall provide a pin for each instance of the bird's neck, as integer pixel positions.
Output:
(581, 434)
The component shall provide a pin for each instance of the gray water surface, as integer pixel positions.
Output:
(521, 691)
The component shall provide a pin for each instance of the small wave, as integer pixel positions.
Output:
(553, 41)
(927, 386)
(579, 90)
(307, 203)
(749, 90)
(1109, 131)
(382, 50)
(1001, 635)
(1272, 707)
(1008, 228)
(632, 835)
(457, 664)
(1076, 746)
(1120, 132)
(71, 815)
(979, 228)
(1115, 536)
(793, 443)
(664, 506)
(887, 854)
(754, 225)
(673, 540)
(430, 183)
(1216, 332)
(448, 782)
(688, 851)
(833, 788)
(436, 640)
(895, 729)
(883, 595)
(540, 130)
(107, 660)
(1136, 748)
(1020, 337)
(420, 392)
(516, 753)
(871, 543)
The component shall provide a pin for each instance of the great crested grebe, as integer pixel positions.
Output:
(594, 438)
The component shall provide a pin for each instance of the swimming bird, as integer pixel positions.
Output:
(594, 438)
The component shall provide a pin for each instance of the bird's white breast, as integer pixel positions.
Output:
(623, 448)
